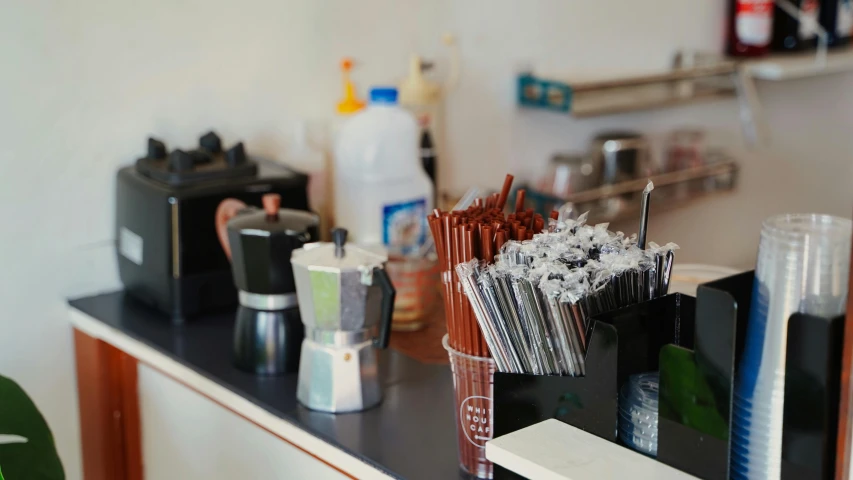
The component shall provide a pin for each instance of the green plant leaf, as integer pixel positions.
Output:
(36, 457)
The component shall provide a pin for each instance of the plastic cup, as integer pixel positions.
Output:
(638, 413)
(802, 267)
(473, 383)
(418, 286)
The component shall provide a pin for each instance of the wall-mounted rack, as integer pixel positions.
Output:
(620, 201)
(715, 79)
(617, 95)
(799, 65)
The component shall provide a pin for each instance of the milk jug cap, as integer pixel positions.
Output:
(383, 95)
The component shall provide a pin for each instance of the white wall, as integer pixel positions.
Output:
(83, 83)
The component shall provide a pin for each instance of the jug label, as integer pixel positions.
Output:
(130, 245)
(403, 230)
(475, 415)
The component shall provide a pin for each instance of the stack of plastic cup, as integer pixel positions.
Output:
(473, 384)
(638, 413)
(802, 266)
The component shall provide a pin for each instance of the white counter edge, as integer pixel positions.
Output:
(230, 400)
(553, 450)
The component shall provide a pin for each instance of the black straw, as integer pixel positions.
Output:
(644, 218)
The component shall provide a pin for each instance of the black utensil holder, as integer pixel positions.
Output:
(622, 343)
(695, 344)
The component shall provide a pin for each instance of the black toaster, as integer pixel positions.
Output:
(168, 252)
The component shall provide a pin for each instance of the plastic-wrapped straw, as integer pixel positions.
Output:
(664, 257)
(501, 325)
(513, 321)
(573, 312)
(534, 304)
(533, 324)
(467, 273)
(566, 349)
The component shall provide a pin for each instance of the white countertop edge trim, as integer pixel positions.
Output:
(553, 450)
(230, 400)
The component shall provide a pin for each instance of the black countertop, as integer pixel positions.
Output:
(411, 435)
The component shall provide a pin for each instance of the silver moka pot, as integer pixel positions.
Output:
(344, 294)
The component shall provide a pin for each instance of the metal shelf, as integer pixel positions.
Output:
(800, 65)
(715, 80)
(642, 92)
(779, 68)
(674, 190)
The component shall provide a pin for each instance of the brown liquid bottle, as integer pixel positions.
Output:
(750, 27)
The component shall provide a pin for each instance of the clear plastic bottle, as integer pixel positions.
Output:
(382, 194)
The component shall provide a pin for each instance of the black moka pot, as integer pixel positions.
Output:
(268, 332)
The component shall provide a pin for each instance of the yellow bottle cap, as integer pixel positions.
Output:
(350, 103)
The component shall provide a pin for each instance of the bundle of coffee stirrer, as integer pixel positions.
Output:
(530, 291)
